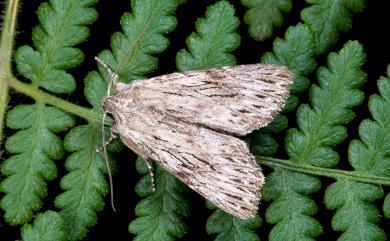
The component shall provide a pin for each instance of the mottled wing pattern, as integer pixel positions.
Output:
(216, 165)
(184, 121)
(235, 99)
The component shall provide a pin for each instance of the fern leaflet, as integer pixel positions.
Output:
(36, 146)
(160, 213)
(262, 15)
(327, 18)
(356, 215)
(47, 226)
(85, 184)
(320, 128)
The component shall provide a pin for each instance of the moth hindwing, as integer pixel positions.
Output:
(188, 123)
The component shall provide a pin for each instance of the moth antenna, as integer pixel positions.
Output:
(112, 74)
(122, 60)
(114, 79)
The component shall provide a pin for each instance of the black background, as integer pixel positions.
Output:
(370, 28)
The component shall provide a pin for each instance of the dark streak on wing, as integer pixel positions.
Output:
(233, 100)
(179, 120)
(217, 166)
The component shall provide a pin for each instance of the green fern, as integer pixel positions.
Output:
(319, 128)
(356, 215)
(262, 15)
(215, 38)
(229, 228)
(47, 226)
(36, 146)
(85, 184)
(142, 37)
(328, 18)
(160, 213)
(380, 105)
(40, 133)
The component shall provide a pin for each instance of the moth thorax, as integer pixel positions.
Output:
(109, 104)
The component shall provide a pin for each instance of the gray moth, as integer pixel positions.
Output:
(189, 124)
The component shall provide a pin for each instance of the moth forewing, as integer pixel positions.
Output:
(187, 123)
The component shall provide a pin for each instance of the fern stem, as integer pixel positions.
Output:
(3, 103)
(6, 50)
(37, 94)
(7, 37)
(320, 171)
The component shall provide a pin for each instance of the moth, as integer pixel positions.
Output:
(189, 123)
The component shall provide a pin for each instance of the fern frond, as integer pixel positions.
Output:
(143, 36)
(291, 207)
(328, 18)
(384, 88)
(262, 15)
(62, 25)
(48, 226)
(320, 127)
(356, 214)
(229, 228)
(36, 145)
(160, 213)
(296, 52)
(214, 39)
(85, 184)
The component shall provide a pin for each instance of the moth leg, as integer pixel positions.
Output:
(113, 136)
(151, 172)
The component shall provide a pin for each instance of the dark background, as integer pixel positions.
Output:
(370, 28)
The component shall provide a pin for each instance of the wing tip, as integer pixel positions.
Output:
(285, 80)
(250, 211)
(259, 185)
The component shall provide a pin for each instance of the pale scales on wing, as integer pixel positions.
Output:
(237, 99)
(185, 122)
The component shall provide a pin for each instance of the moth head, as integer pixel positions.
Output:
(109, 104)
